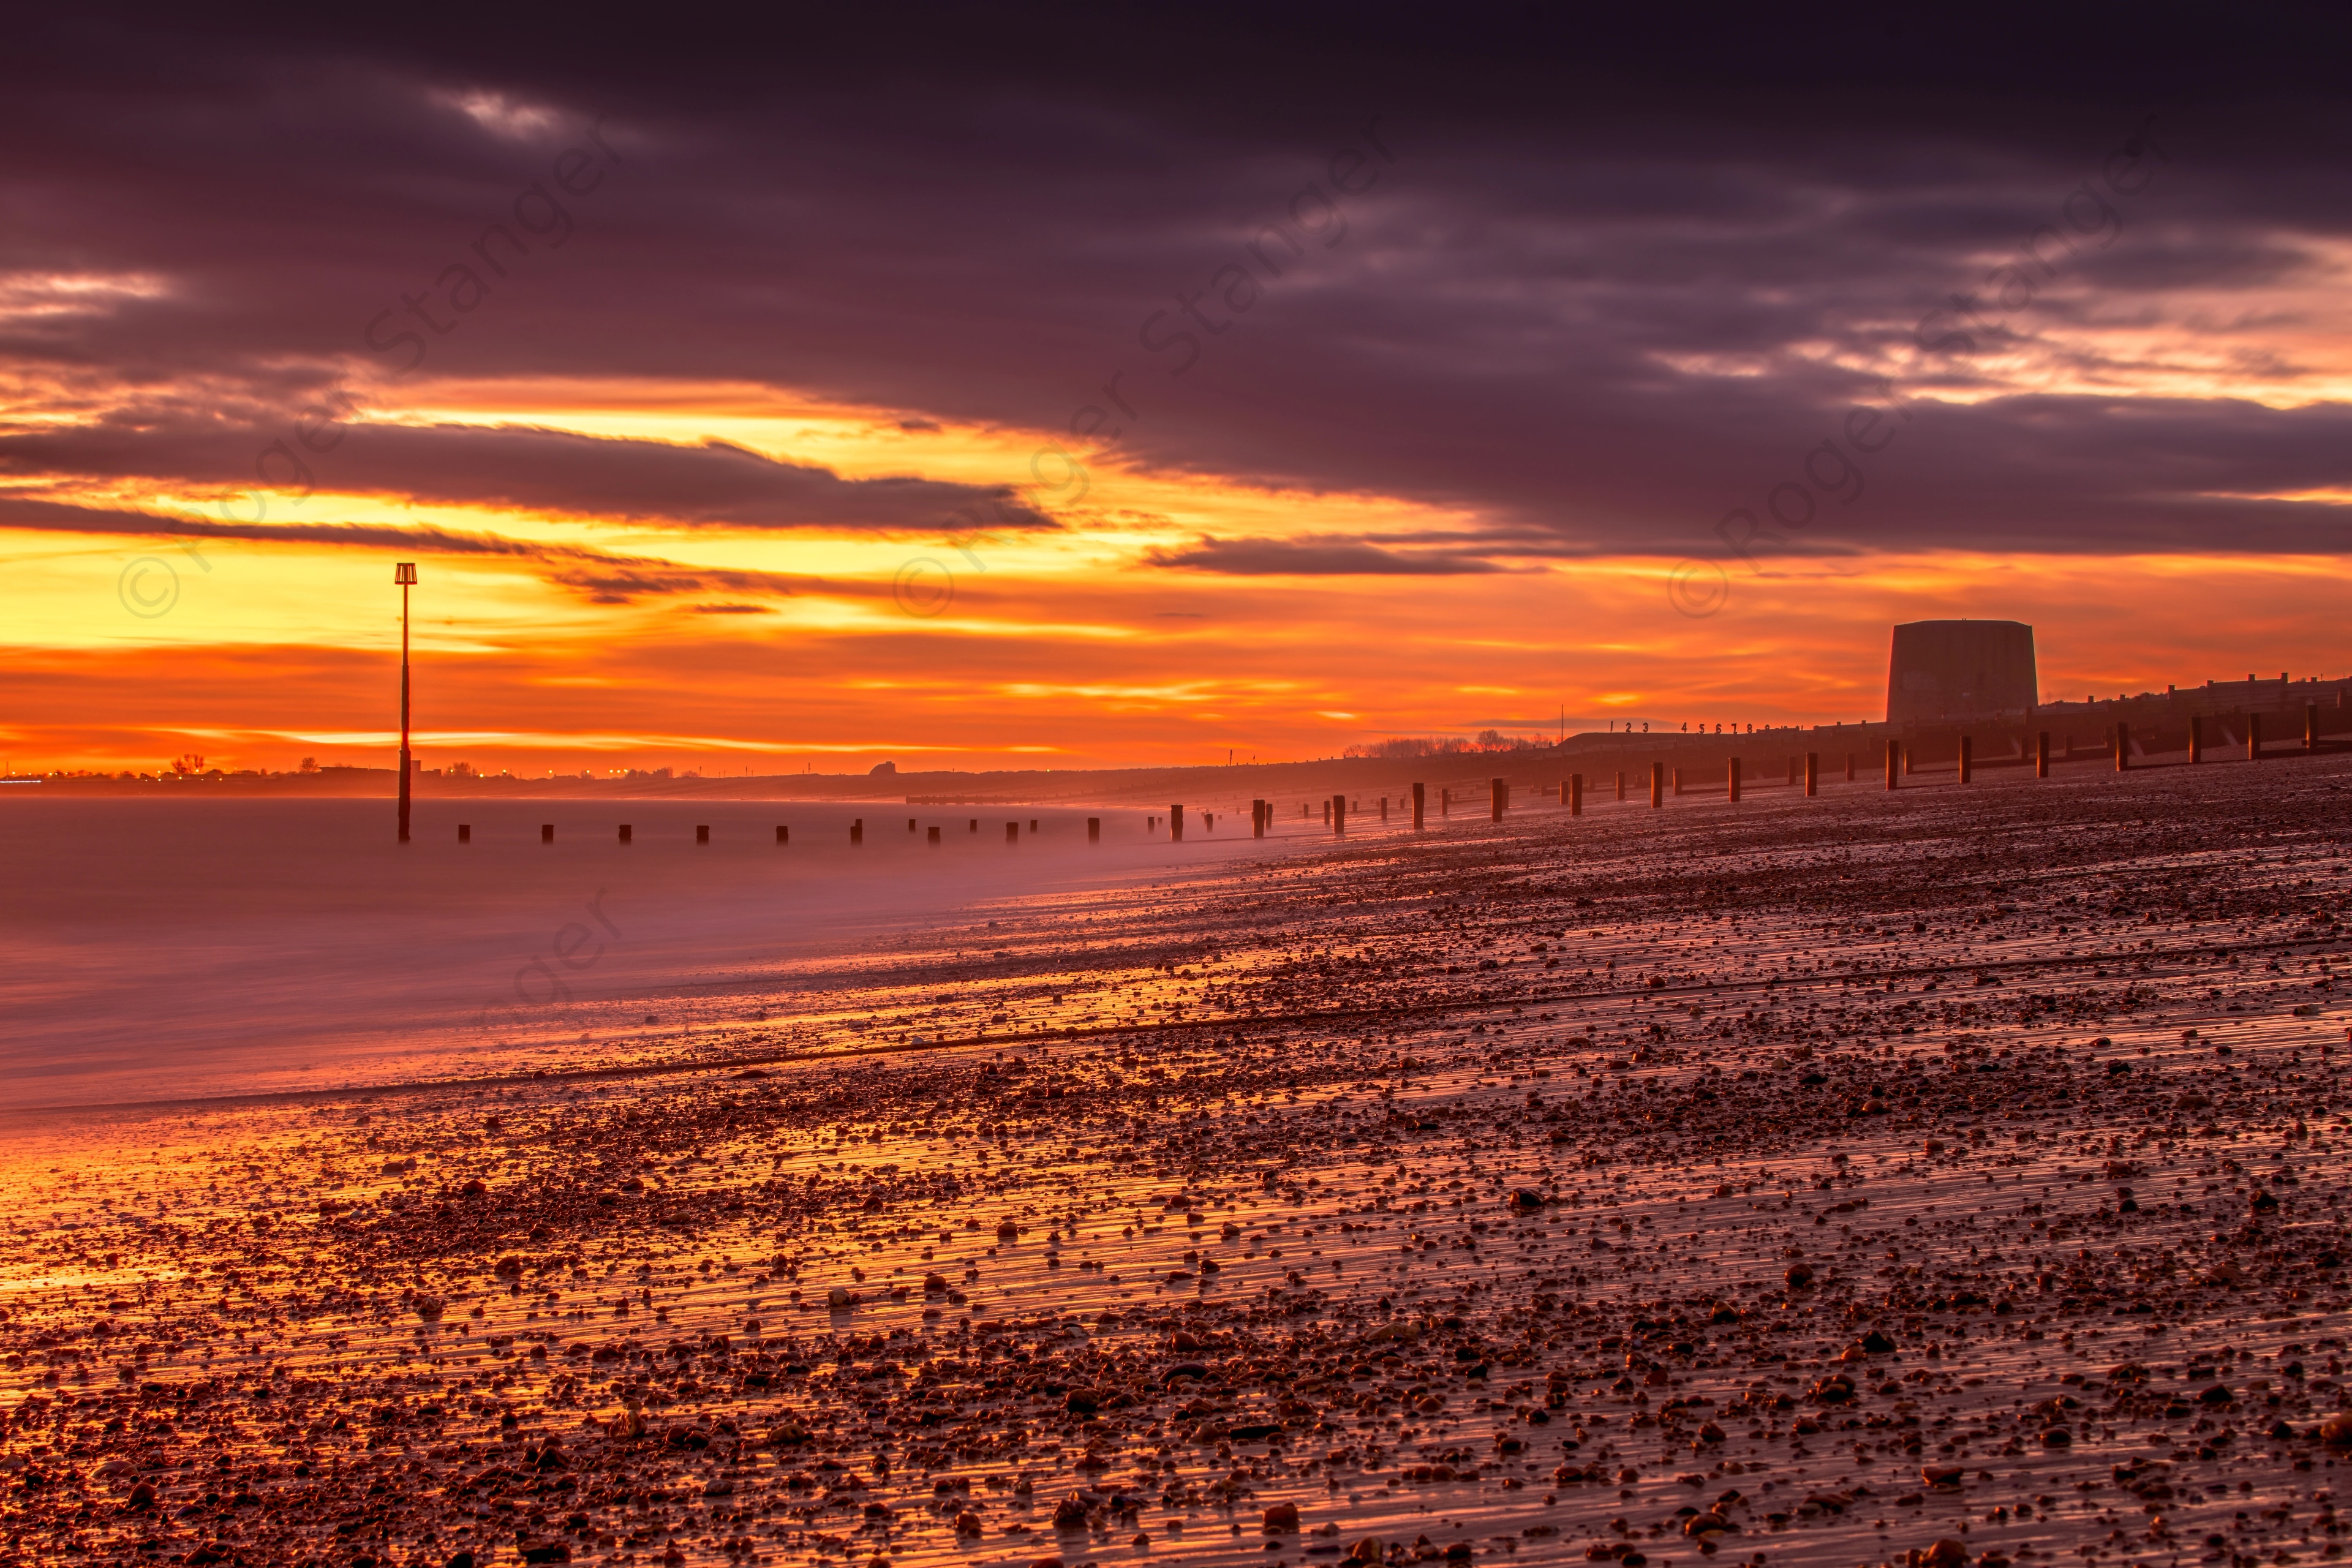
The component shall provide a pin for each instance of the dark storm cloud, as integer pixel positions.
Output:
(539, 471)
(602, 576)
(1598, 295)
(1311, 558)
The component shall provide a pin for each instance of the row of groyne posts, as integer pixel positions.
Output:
(2121, 746)
(785, 833)
(1334, 808)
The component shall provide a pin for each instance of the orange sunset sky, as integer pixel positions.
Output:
(971, 415)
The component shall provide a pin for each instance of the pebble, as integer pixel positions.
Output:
(1817, 1250)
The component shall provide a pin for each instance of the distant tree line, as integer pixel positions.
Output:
(1447, 745)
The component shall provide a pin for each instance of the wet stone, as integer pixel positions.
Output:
(1284, 1223)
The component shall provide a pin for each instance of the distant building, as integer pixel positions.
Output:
(1951, 670)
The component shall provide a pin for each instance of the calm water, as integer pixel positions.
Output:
(166, 948)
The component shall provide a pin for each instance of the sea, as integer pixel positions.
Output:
(170, 949)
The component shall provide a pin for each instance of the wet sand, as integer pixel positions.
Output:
(1799, 1182)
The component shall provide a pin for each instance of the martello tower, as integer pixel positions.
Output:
(1949, 670)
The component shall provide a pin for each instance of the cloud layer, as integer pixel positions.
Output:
(1312, 558)
(536, 473)
(1614, 312)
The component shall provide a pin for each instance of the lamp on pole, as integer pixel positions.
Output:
(404, 576)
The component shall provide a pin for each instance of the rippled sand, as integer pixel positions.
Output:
(1800, 1181)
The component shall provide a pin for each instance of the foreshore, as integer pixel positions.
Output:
(1804, 1180)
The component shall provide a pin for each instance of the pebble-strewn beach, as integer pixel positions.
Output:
(1949, 1177)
